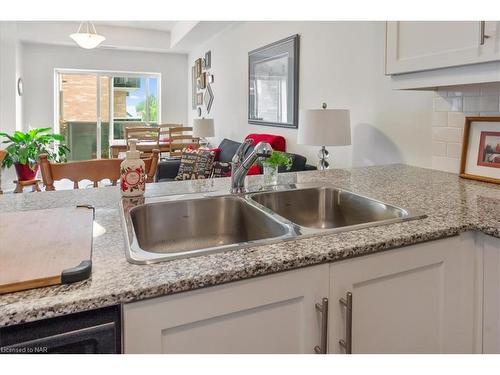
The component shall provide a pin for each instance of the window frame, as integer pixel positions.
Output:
(58, 72)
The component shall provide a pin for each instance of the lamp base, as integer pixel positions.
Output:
(204, 143)
(323, 155)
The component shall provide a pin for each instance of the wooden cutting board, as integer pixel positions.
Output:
(45, 247)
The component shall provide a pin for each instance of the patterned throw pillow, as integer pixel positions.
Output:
(195, 164)
(221, 169)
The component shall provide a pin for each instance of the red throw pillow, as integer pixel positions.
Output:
(216, 151)
(254, 169)
(277, 142)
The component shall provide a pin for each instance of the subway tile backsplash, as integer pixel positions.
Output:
(451, 106)
(480, 104)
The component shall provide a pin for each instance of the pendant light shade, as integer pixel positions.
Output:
(86, 36)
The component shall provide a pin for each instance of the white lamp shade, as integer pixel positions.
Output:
(203, 127)
(87, 40)
(324, 127)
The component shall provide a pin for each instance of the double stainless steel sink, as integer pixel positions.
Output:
(173, 227)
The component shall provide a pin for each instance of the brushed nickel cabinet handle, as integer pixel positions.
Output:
(323, 309)
(482, 35)
(347, 342)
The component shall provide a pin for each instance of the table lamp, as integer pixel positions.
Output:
(203, 128)
(324, 127)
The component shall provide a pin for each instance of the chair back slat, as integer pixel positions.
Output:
(180, 139)
(148, 134)
(165, 130)
(93, 170)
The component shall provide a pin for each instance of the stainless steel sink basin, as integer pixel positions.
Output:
(172, 227)
(329, 208)
(184, 228)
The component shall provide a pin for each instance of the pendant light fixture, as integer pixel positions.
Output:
(86, 36)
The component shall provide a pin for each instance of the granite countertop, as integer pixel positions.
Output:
(453, 205)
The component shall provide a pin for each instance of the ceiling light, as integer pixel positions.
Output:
(86, 36)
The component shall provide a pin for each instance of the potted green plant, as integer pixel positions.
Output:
(270, 166)
(23, 150)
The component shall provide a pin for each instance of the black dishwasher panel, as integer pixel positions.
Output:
(89, 332)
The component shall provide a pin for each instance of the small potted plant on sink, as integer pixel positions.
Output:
(24, 148)
(270, 166)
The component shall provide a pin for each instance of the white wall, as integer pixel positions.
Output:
(10, 101)
(39, 62)
(341, 63)
(10, 70)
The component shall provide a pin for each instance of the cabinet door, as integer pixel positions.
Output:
(491, 315)
(269, 314)
(417, 299)
(413, 46)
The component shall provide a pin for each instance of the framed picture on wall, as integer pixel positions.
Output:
(199, 99)
(208, 59)
(481, 149)
(202, 81)
(273, 84)
(199, 66)
(194, 90)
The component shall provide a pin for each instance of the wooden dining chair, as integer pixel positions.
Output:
(93, 170)
(164, 136)
(165, 131)
(180, 139)
(148, 138)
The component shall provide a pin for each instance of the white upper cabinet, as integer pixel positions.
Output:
(413, 46)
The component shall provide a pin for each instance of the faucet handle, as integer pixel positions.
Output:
(263, 149)
(241, 151)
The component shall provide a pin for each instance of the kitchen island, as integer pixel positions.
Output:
(452, 206)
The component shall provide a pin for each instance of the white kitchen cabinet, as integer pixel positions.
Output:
(491, 293)
(413, 46)
(269, 314)
(417, 299)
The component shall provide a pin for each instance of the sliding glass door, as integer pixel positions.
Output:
(93, 108)
(135, 103)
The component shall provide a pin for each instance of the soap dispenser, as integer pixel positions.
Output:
(133, 176)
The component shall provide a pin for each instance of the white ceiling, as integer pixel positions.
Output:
(165, 26)
(152, 36)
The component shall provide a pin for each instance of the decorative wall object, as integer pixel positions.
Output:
(199, 98)
(201, 78)
(199, 67)
(208, 97)
(202, 81)
(273, 84)
(193, 87)
(481, 149)
(208, 59)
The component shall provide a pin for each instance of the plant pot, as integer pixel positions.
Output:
(25, 173)
(270, 174)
